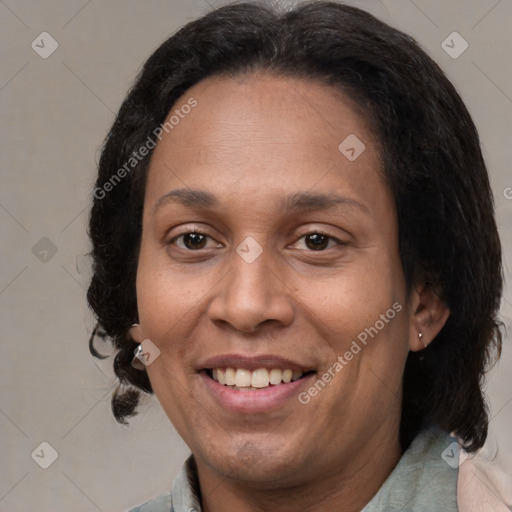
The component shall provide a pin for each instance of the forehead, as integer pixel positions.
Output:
(261, 131)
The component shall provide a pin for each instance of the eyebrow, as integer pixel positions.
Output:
(300, 201)
(319, 201)
(186, 197)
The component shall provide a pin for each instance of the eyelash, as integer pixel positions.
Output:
(327, 235)
(314, 232)
(173, 240)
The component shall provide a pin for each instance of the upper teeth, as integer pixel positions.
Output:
(259, 378)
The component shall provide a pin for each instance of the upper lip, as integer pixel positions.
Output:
(252, 362)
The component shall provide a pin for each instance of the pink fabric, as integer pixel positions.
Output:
(483, 486)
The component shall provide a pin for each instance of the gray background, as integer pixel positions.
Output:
(55, 113)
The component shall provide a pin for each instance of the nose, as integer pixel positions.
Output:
(251, 295)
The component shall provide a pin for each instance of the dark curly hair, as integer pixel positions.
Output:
(432, 161)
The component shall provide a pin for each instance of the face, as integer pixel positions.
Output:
(266, 248)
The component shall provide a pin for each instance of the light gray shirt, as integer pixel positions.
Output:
(424, 480)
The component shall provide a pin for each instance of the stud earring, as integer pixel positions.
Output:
(420, 336)
(136, 361)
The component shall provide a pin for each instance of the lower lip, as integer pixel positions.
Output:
(263, 400)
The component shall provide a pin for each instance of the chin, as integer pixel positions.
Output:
(254, 462)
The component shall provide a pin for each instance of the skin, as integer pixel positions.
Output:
(250, 141)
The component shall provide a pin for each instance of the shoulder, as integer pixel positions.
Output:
(483, 483)
(183, 497)
(161, 503)
(424, 479)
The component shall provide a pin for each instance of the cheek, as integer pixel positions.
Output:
(356, 296)
(170, 388)
(163, 296)
(362, 313)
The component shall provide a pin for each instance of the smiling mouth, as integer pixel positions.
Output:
(242, 379)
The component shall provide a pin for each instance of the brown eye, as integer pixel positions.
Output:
(194, 240)
(316, 241)
(191, 241)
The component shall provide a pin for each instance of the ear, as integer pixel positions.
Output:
(429, 314)
(135, 333)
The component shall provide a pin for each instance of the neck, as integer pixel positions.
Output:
(347, 487)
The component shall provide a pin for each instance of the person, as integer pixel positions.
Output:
(295, 250)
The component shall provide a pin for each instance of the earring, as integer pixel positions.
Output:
(136, 361)
(420, 336)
